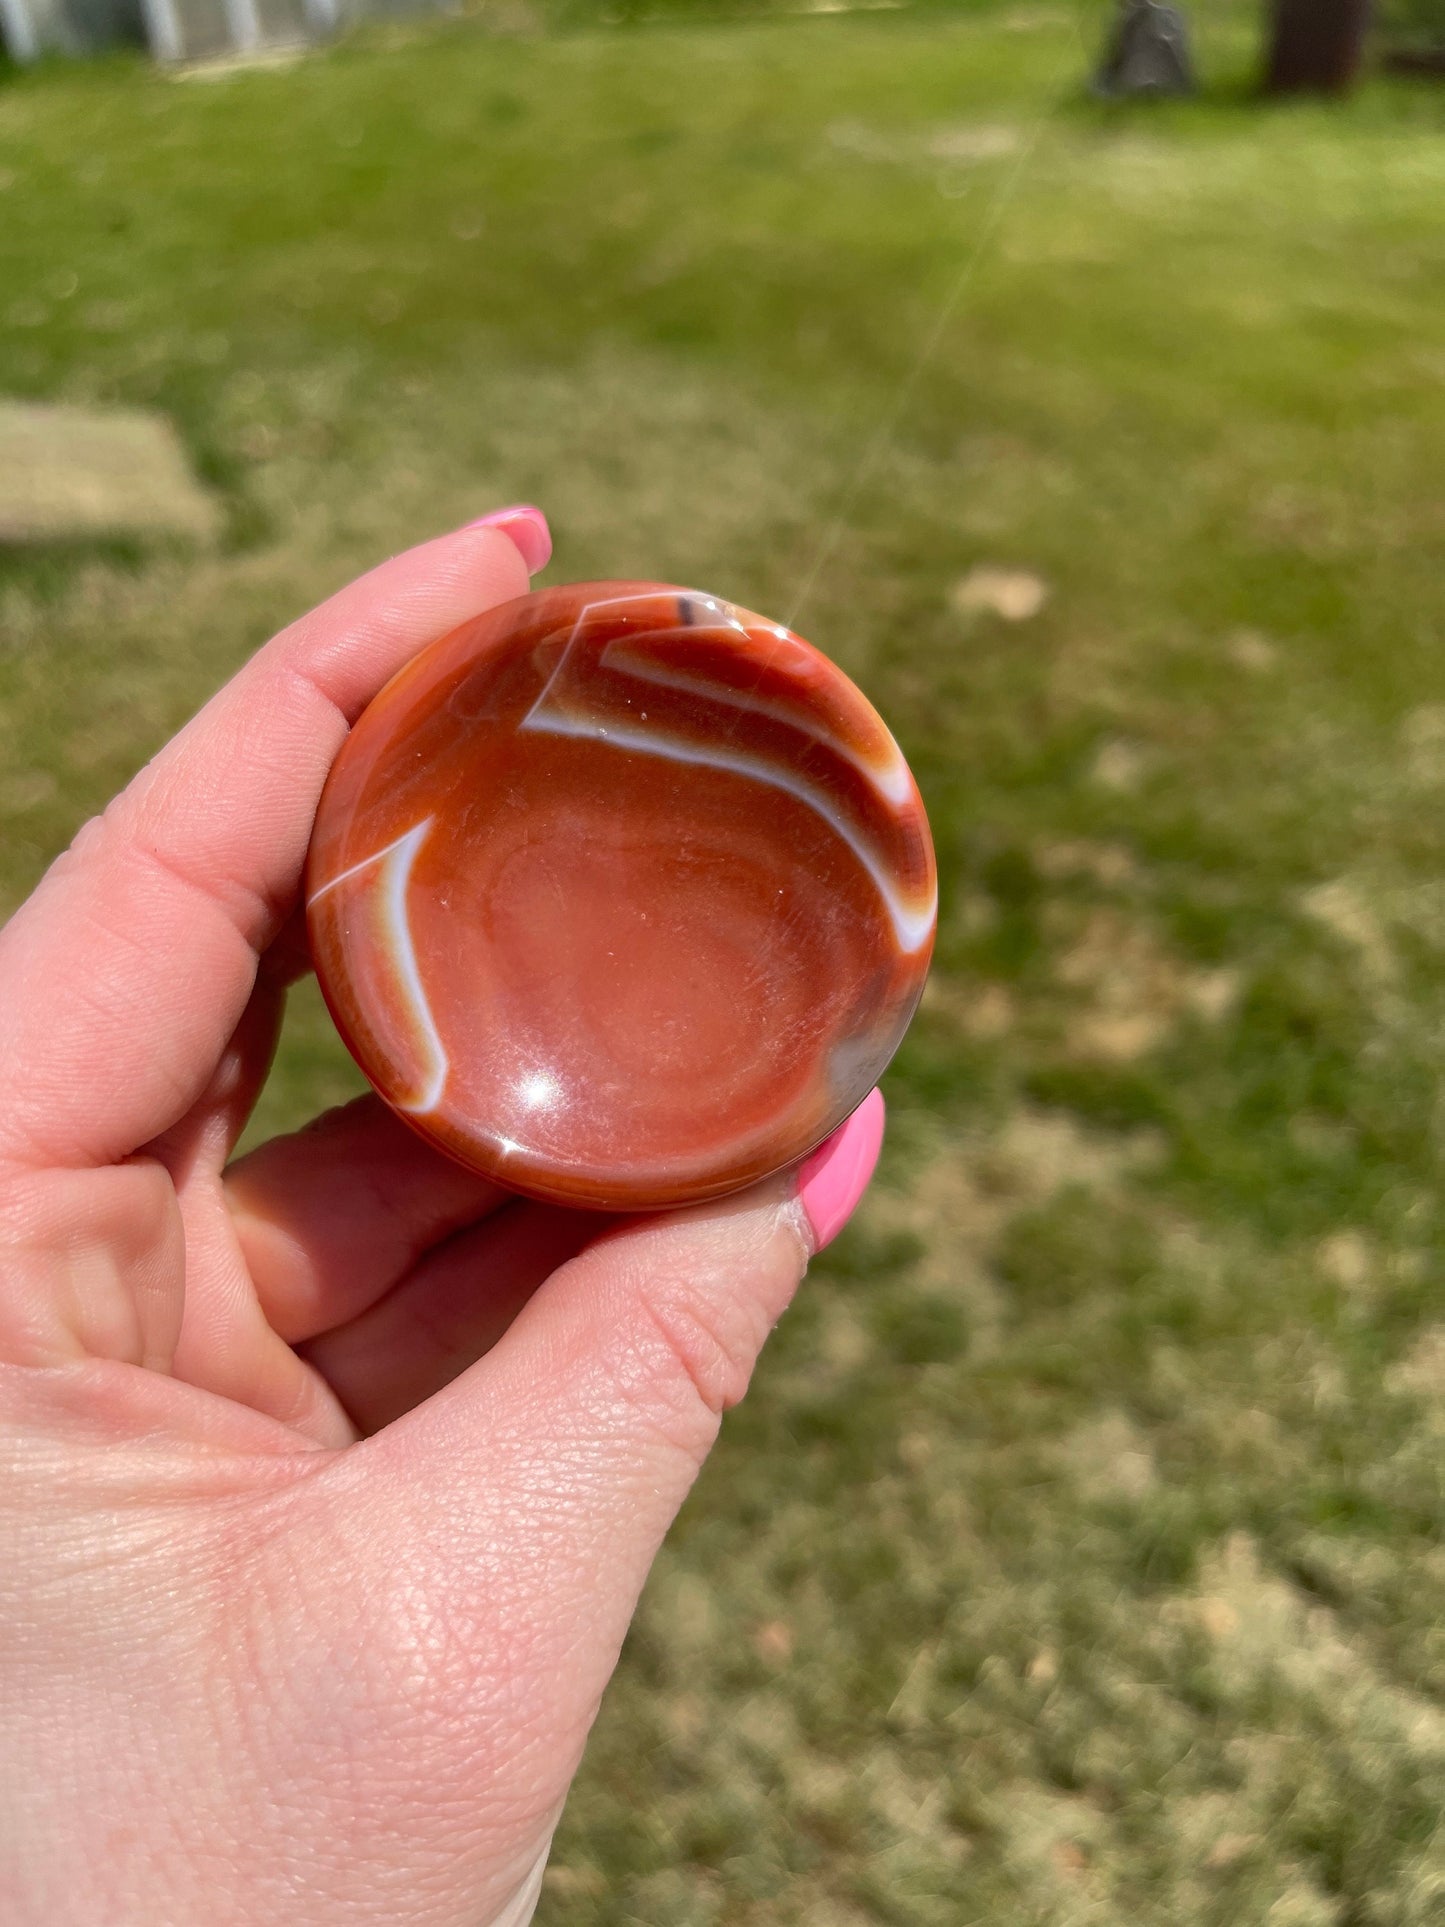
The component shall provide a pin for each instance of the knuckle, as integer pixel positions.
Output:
(695, 1357)
(690, 1307)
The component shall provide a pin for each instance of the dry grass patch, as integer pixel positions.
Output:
(1132, 989)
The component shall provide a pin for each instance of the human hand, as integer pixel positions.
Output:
(328, 1480)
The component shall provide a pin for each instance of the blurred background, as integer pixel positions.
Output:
(1076, 1557)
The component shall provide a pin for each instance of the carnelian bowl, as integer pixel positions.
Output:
(621, 895)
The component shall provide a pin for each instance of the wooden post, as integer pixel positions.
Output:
(1316, 46)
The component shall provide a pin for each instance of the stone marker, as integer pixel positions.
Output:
(1148, 52)
(68, 473)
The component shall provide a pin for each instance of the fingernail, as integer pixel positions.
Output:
(834, 1177)
(527, 526)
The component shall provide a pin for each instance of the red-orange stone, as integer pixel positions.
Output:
(622, 895)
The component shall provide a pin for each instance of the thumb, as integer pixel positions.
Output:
(552, 1469)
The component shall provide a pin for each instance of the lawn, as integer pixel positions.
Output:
(1076, 1557)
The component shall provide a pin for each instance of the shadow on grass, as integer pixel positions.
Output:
(45, 570)
(1389, 100)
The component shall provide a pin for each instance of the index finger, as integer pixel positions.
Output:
(125, 973)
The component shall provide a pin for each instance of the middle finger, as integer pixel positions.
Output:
(332, 1216)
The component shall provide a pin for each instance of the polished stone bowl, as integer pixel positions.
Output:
(622, 895)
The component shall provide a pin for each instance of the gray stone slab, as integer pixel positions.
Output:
(68, 473)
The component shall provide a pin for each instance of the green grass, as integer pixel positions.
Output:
(1076, 1557)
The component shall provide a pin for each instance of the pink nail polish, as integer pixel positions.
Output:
(527, 527)
(833, 1178)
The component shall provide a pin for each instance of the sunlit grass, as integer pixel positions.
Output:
(1075, 1558)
